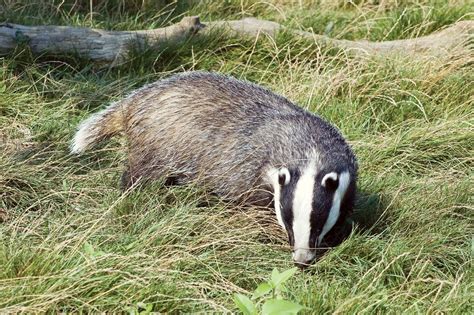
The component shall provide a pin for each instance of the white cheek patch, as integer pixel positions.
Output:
(302, 207)
(344, 180)
(273, 175)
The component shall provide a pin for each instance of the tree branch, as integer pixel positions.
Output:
(112, 47)
(94, 44)
(455, 36)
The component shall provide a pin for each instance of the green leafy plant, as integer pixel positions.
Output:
(267, 299)
(140, 309)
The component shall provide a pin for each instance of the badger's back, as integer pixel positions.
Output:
(222, 132)
(212, 103)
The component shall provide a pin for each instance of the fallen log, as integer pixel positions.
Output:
(458, 35)
(94, 44)
(112, 47)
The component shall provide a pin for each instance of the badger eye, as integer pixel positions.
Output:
(332, 184)
(330, 181)
(283, 176)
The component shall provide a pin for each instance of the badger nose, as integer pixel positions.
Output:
(303, 257)
(303, 265)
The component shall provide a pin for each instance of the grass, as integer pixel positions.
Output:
(71, 242)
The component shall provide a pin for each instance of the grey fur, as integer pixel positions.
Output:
(220, 131)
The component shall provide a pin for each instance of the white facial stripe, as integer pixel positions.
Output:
(302, 206)
(272, 175)
(344, 180)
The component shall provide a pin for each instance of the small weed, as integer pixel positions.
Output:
(267, 299)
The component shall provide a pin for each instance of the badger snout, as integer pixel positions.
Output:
(303, 257)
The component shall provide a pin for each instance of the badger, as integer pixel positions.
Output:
(239, 141)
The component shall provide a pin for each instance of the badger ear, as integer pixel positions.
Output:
(330, 181)
(283, 176)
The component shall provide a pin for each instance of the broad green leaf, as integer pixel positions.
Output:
(280, 307)
(275, 273)
(141, 305)
(275, 276)
(244, 304)
(131, 310)
(279, 278)
(144, 308)
(89, 249)
(149, 307)
(261, 290)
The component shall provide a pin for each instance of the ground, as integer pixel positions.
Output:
(71, 241)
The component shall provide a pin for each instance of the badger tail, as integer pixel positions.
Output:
(99, 126)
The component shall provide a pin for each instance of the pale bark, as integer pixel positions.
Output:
(112, 47)
(458, 35)
(94, 44)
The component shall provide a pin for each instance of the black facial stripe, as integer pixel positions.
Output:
(341, 228)
(348, 201)
(322, 203)
(286, 203)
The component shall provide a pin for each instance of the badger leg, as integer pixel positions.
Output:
(139, 173)
(127, 180)
(124, 180)
(135, 174)
(172, 181)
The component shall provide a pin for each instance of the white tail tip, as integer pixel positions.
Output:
(84, 136)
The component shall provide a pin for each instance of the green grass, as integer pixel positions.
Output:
(70, 241)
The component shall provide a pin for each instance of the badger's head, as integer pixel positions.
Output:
(308, 202)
